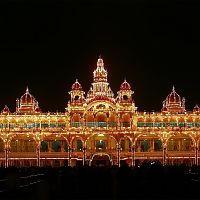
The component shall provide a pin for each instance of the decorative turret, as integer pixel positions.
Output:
(27, 104)
(173, 103)
(196, 109)
(77, 94)
(124, 95)
(5, 110)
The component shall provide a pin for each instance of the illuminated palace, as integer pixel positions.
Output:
(99, 128)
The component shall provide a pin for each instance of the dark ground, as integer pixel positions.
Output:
(146, 182)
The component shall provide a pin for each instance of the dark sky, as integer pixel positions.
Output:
(48, 44)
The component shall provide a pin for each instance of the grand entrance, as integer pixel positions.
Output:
(101, 160)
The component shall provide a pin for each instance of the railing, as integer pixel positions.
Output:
(168, 124)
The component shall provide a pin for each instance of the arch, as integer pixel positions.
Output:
(54, 143)
(149, 122)
(22, 143)
(62, 122)
(125, 143)
(89, 118)
(148, 142)
(106, 102)
(181, 142)
(101, 119)
(158, 122)
(76, 118)
(112, 120)
(110, 142)
(126, 120)
(100, 155)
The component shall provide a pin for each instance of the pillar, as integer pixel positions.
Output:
(118, 155)
(69, 155)
(6, 157)
(164, 154)
(133, 155)
(84, 153)
(196, 154)
(38, 154)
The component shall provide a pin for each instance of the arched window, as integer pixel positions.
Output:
(44, 146)
(56, 146)
(145, 146)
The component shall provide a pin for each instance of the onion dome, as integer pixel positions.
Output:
(196, 109)
(27, 98)
(76, 86)
(5, 110)
(174, 103)
(125, 86)
(173, 97)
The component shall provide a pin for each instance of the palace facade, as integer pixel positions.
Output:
(99, 128)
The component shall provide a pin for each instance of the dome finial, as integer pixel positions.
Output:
(99, 56)
(27, 90)
(173, 89)
(125, 79)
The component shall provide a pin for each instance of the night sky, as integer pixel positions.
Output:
(46, 45)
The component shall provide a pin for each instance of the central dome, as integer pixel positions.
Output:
(27, 98)
(173, 97)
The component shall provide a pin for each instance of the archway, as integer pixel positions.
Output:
(101, 142)
(23, 150)
(101, 160)
(53, 150)
(125, 144)
(180, 149)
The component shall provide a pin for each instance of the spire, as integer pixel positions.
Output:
(173, 89)
(27, 90)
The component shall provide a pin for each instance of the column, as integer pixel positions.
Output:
(164, 154)
(133, 155)
(118, 155)
(196, 154)
(38, 154)
(69, 155)
(6, 157)
(84, 153)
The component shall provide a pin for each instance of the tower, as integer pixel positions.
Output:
(100, 86)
